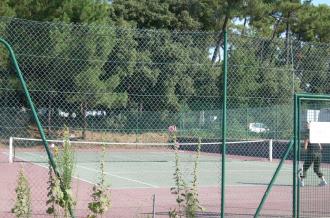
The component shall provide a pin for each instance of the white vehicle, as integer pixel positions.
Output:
(258, 127)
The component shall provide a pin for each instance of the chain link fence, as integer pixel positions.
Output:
(122, 88)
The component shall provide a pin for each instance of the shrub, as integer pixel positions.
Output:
(100, 197)
(186, 197)
(64, 159)
(22, 208)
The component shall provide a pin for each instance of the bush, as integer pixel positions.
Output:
(64, 159)
(100, 196)
(22, 208)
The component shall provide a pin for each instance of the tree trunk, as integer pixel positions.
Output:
(83, 108)
(244, 25)
(49, 118)
(277, 23)
(275, 28)
(287, 37)
(220, 39)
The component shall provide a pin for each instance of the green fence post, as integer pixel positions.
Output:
(35, 116)
(294, 176)
(298, 156)
(247, 122)
(224, 125)
(273, 179)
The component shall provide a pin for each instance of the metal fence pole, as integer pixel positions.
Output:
(298, 157)
(269, 187)
(294, 176)
(11, 153)
(270, 150)
(224, 126)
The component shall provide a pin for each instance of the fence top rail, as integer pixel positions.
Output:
(307, 96)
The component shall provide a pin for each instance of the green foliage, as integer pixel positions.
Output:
(55, 194)
(261, 17)
(129, 65)
(65, 41)
(313, 24)
(179, 188)
(166, 14)
(85, 11)
(23, 207)
(77, 11)
(5, 9)
(191, 193)
(100, 197)
(64, 158)
(186, 197)
(65, 162)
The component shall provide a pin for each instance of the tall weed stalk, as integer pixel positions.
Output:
(186, 196)
(65, 161)
(101, 201)
(22, 207)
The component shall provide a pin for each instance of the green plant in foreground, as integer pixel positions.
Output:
(178, 190)
(65, 164)
(100, 197)
(186, 197)
(64, 159)
(55, 194)
(191, 194)
(22, 208)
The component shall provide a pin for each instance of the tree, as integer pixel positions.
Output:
(314, 68)
(5, 9)
(62, 45)
(158, 14)
(93, 92)
(312, 23)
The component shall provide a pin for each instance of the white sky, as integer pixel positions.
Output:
(316, 2)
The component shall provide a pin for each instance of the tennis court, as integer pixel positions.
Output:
(152, 165)
(137, 172)
(140, 176)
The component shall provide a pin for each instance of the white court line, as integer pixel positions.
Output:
(109, 174)
(46, 167)
(78, 178)
(121, 177)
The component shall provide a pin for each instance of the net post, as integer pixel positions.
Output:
(154, 206)
(270, 147)
(11, 150)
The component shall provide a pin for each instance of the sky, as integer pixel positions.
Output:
(316, 2)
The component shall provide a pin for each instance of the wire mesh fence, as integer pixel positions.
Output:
(122, 88)
(314, 158)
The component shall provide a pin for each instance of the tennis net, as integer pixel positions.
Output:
(32, 150)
